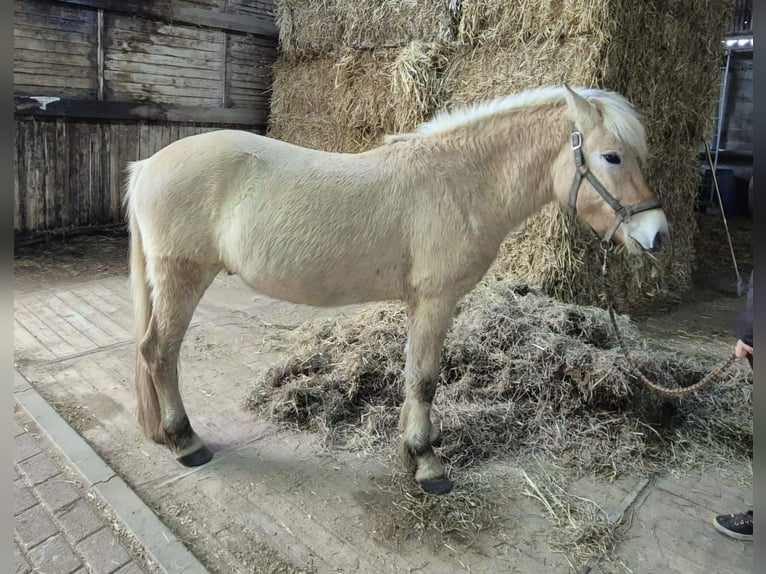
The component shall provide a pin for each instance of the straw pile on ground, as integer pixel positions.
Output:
(521, 375)
(351, 72)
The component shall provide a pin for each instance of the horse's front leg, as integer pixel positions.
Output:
(428, 323)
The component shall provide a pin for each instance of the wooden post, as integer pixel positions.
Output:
(225, 62)
(100, 55)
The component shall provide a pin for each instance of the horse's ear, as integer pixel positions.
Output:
(582, 112)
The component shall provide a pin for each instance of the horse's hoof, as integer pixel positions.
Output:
(441, 485)
(437, 441)
(196, 458)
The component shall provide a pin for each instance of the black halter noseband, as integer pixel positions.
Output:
(622, 214)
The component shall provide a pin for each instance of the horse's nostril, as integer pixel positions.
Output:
(657, 244)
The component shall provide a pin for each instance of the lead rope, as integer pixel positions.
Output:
(607, 248)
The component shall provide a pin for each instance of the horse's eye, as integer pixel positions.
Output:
(612, 158)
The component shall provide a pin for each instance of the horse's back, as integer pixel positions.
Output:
(180, 194)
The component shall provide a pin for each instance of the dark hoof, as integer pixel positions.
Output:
(437, 442)
(196, 458)
(441, 485)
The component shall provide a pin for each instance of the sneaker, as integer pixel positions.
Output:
(739, 526)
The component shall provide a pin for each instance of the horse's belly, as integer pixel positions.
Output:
(325, 287)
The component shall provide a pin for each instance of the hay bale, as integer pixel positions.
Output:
(522, 375)
(664, 57)
(321, 26)
(348, 99)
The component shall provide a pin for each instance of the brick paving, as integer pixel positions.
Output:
(56, 529)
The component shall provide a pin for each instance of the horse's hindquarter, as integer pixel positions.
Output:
(316, 228)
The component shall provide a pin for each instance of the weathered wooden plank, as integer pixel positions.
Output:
(50, 187)
(197, 58)
(42, 45)
(75, 162)
(174, 132)
(140, 63)
(82, 305)
(144, 144)
(28, 346)
(109, 300)
(93, 172)
(93, 333)
(54, 9)
(151, 41)
(167, 95)
(246, 86)
(19, 175)
(21, 34)
(47, 70)
(152, 80)
(16, 191)
(186, 14)
(138, 30)
(74, 108)
(49, 336)
(250, 44)
(113, 161)
(261, 8)
(130, 150)
(47, 22)
(62, 173)
(52, 59)
(30, 184)
(68, 324)
(48, 81)
(155, 137)
(102, 170)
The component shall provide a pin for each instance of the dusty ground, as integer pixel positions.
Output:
(272, 500)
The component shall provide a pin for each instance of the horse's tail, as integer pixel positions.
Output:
(146, 394)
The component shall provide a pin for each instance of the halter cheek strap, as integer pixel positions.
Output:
(622, 213)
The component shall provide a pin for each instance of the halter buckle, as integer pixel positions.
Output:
(576, 140)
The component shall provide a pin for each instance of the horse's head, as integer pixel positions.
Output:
(597, 174)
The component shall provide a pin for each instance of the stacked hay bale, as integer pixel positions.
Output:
(664, 57)
(350, 71)
(353, 71)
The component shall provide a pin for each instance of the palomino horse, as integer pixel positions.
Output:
(418, 219)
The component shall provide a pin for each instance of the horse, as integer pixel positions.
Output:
(418, 219)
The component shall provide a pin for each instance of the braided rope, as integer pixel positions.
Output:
(712, 376)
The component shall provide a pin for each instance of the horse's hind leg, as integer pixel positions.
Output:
(428, 323)
(177, 287)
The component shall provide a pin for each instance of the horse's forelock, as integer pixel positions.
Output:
(622, 119)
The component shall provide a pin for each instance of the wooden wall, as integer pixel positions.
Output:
(99, 83)
(71, 173)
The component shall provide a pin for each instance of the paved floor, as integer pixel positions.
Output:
(58, 528)
(272, 496)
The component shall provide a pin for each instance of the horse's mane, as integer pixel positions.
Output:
(620, 117)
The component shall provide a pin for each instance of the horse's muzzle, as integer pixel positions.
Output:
(649, 229)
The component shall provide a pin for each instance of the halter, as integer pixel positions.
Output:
(622, 214)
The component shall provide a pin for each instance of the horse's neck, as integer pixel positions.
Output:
(505, 162)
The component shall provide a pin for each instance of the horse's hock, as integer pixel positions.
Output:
(337, 70)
